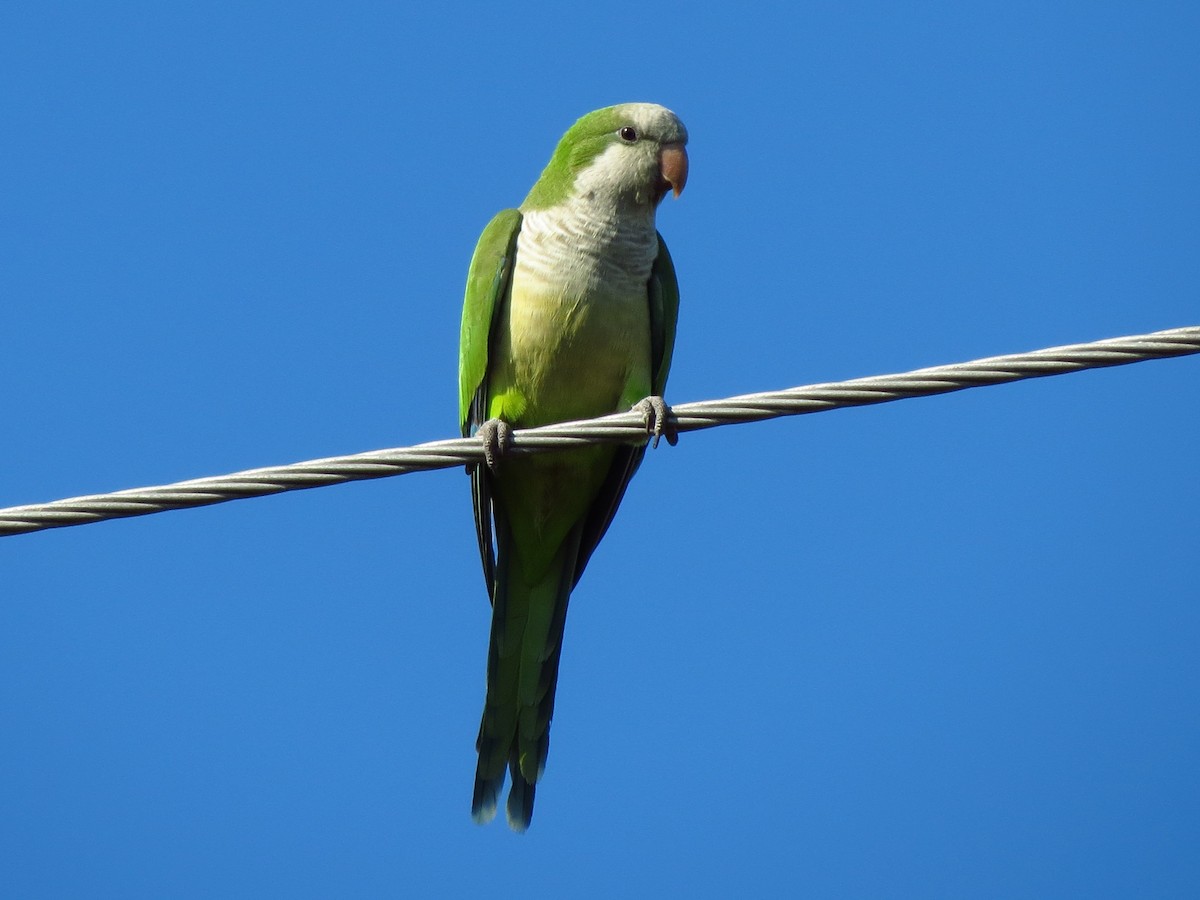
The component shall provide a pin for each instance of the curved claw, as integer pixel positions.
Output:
(657, 417)
(496, 435)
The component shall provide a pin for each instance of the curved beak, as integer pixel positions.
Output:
(673, 166)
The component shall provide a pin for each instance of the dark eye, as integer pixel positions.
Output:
(628, 133)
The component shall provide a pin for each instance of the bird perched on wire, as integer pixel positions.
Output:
(570, 313)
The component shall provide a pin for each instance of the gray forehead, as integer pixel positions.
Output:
(655, 120)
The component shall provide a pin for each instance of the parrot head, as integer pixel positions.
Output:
(633, 153)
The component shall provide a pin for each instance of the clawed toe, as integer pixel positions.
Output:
(496, 435)
(656, 416)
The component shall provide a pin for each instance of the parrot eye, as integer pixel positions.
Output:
(628, 134)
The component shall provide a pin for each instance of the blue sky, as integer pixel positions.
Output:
(944, 647)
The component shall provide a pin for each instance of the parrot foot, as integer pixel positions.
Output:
(656, 416)
(496, 435)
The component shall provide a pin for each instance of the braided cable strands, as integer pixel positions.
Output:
(626, 426)
(939, 379)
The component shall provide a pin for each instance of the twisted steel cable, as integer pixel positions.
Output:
(626, 426)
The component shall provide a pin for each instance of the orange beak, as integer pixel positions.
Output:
(673, 166)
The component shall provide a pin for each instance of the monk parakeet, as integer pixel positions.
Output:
(570, 313)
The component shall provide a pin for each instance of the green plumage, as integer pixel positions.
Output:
(570, 312)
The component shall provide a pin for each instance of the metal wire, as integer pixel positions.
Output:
(615, 428)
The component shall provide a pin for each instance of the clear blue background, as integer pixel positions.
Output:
(944, 647)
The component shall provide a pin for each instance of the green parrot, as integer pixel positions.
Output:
(570, 313)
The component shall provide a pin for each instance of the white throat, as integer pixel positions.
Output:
(588, 243)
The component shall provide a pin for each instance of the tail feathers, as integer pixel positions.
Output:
(487, 794)
(498, 722)
(489, 773)
(524, 767)
(519, 809)
(522, 674)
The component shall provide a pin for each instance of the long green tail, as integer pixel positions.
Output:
(523, 655)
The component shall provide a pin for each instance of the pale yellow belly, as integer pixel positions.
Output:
(560, 358)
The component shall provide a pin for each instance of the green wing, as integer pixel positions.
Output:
(488, 282)
(664, 315)
(487, 289)
(662, 293)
